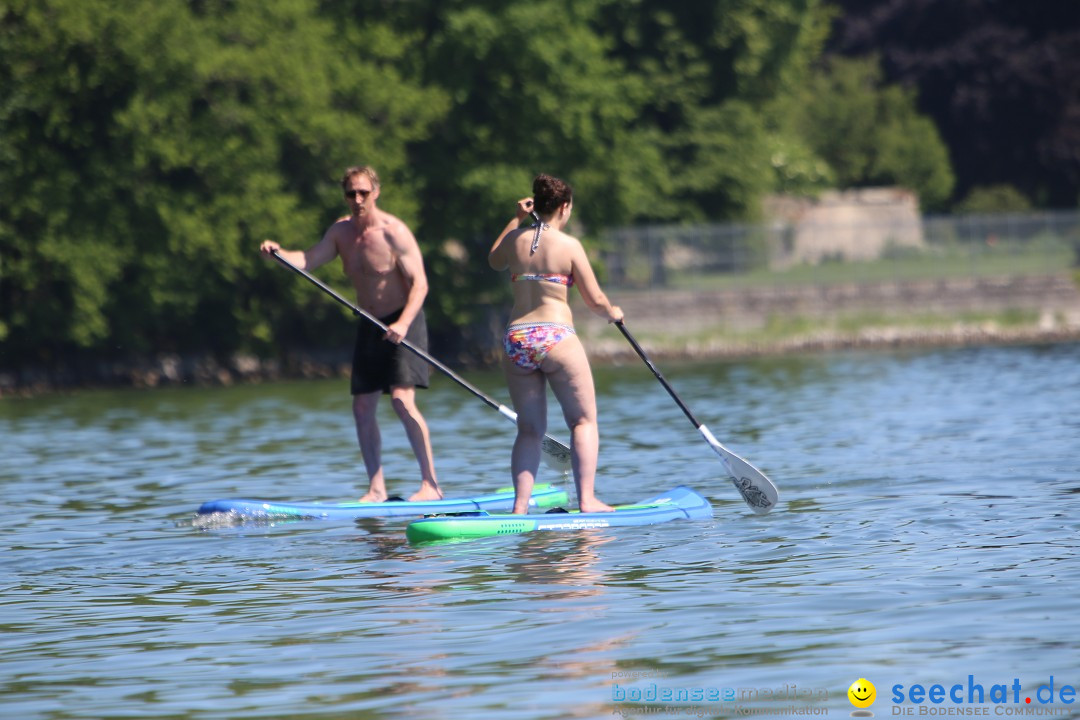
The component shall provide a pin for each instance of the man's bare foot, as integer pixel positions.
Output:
(373, 496)
(594, 505)
(427, 491)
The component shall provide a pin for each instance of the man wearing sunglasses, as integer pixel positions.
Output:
(383, 260)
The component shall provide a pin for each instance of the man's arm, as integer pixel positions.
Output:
(319, 254)
(410, 263)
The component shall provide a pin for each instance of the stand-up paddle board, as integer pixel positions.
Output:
(677, 504)
(543, 496)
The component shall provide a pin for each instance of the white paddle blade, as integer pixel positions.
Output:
(556, 455)
(757, 490)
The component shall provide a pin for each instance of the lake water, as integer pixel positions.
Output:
(927, 535)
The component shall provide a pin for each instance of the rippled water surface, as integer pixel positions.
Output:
(927, 532)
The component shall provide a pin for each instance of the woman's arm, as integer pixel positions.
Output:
(589, 286)
(497, 255)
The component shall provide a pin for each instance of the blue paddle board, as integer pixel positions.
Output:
(503, 499)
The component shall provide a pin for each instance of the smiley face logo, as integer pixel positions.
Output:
(862, 693)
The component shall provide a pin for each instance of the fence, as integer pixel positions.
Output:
(733, 255)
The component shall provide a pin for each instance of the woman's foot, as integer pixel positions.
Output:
(594, 505)
(429, 490)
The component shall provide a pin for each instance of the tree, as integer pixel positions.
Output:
(149, 146)
(1000, 79)
(146, 147)
(993, 199)
(870, 133)
(713, 71)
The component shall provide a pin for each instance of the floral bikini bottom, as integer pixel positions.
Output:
(527, 344)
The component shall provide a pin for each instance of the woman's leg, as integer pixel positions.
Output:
(527, 392)
(567, 369)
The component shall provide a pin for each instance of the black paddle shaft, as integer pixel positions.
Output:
(657, 373)
(408, 346)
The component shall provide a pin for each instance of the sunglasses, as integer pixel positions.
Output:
(353, 193)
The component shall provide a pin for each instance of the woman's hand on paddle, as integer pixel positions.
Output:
(615, 314)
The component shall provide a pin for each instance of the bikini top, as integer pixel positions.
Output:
(567, 280)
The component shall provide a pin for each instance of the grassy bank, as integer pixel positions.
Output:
(779, 333)
(934, 264)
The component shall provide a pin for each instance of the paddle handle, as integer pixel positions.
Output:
(383, 326)
(405, 343)
(659, 376)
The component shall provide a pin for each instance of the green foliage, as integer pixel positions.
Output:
(993, 199)
(1000, 79)
(525, 101)
(150, 146)
(869, 133)
(652, 110)
(713, 70)
(146, 147)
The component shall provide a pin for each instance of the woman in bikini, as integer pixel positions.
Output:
(540, 342)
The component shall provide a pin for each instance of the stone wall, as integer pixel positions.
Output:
(1054, 298)
(858, 224)
(654, 315)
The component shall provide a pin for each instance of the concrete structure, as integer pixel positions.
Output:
(858, 224)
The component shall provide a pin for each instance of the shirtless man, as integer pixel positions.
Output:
(382, 258)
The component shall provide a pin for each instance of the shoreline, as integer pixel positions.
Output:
(174, 371)
(674, 325)
(882, 338)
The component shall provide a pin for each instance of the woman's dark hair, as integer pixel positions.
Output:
(549, 193)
